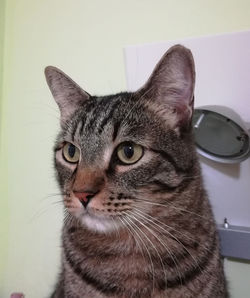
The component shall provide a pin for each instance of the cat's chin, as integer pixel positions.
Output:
(98, 223)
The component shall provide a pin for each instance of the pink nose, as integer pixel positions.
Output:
(84, 197)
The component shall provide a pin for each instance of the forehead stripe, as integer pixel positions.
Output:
(75, 129)
(116, 129)
(109, 116)
(81, 129)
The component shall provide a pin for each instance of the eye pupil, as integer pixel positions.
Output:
(71, 150)
(71, 153)
(128, 151)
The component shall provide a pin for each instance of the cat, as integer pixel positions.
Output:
(138, 222)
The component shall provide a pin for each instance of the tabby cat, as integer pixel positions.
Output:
(138, 222)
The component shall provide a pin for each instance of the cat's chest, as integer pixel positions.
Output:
(106, 269)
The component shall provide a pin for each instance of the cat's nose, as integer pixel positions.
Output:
(84, 197)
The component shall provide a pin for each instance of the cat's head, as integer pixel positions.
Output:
(121, 156)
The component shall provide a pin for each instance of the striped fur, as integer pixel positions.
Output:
(149, 230)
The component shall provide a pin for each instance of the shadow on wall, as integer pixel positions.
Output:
(232, 170)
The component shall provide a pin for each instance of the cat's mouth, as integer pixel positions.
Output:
(98, 221)
(95, 219)
(102, 213)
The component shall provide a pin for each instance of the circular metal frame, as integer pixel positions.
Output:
(235, 123)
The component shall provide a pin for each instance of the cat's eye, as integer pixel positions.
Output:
(71, 153)
(129, 153)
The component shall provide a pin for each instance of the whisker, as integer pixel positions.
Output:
(168, 204)
(53, 195)
(171, 228)
(129, 215)
(172, 255)
(171, 235)
(116, 228)
(132, 234)
(38, 213)
(133, 226)
(68, 218)
(57, 202)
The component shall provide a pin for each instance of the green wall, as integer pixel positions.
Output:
(4, 207)
(85, 38)
(2, 7)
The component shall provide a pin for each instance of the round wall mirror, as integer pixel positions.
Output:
(220, 134)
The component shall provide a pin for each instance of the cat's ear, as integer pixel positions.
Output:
(68, 95)
(171, 85)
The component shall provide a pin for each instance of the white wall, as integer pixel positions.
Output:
(85, 38)
(222, 64)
